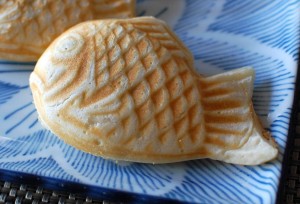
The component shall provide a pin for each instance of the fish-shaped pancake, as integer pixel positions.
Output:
(128, 90)
(27, 27)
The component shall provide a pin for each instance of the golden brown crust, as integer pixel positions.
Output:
(127, 89)
(28, 27)
(139, 72)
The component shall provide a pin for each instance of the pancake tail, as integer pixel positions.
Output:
(234, 133)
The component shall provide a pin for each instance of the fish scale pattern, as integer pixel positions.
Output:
(43, 21)
(56, 15)
(144, 68)
(160, 81)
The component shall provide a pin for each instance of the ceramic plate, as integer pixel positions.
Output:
(222, 35)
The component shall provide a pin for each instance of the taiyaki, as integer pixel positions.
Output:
(27, 27)
(128, 90)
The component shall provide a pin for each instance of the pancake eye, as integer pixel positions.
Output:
(68, 46)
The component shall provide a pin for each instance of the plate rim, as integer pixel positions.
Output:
(290, 136)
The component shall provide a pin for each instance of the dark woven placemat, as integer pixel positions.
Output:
(22, 193)
(289, 191)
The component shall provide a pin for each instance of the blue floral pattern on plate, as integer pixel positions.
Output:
(222, 35)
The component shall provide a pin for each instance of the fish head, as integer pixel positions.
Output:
(66, 66)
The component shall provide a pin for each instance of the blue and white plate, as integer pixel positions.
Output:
(223, 35)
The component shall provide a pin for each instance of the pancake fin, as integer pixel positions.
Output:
(234, 133)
